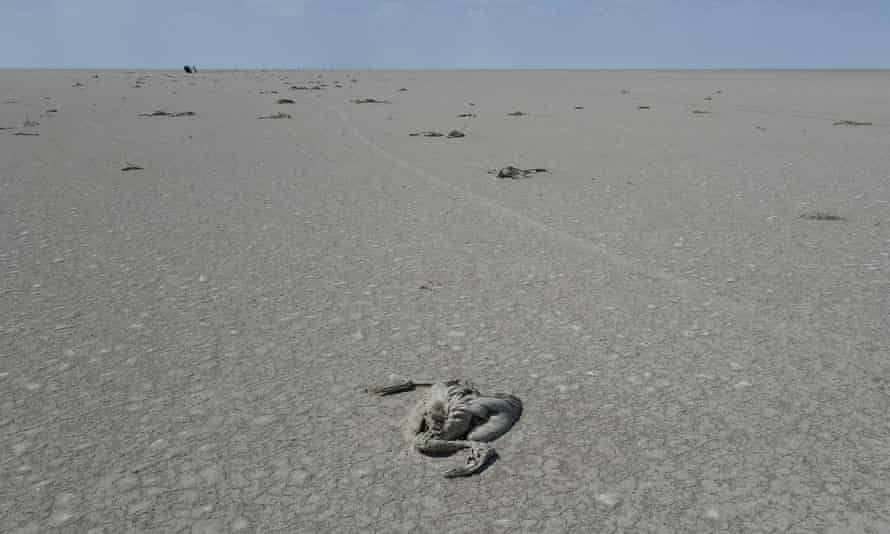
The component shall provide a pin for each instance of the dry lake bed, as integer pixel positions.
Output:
(685, 277)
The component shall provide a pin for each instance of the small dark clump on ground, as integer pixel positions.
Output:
(625, 91)
(644, 107)
(431, 285)
(453, 134)
(761, 128)
(822, 216)
(32, 134)
(162, 113)
(278, 115)
(467, 115)
(131, 167)
(285, 101)
(52, 110)
(515, 172)
(708, 98)
(298, 88)
(268, 92)
(852, 123)
(516, 114)
(403, 89)
(700, 111)
(579, 107)
(30, 124)
(369, 101)
(429, 133)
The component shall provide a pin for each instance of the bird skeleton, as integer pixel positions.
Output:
(454, 416)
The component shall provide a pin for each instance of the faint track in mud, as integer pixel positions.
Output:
(741, 308)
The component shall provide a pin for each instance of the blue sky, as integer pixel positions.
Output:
(445, 34)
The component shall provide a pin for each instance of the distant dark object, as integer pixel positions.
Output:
(27, 133)
(515, 172)
(30, 124)
(427, 134)
(625, 91)
(467, 115)
(278, 115)
(718, 92)
(285, 101)
(431, 285)
(370, 101)
(268, 92)
(761, 128)
(298, 88)
(579, 107)
(77, 84)
(822, 216)
(194, 69)
(470, 104)
(187, 69)
(700, 111)
(516, 114)
(454, 134)
(708, 98)
(403, 89)
(644, 107)
(131, 167)
(162, 113)
(52, 110)
(852, 123)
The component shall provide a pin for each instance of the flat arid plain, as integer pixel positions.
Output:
(693, 302)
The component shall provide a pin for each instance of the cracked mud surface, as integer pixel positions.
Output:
(183, 347)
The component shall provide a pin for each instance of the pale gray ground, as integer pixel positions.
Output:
(184, 346)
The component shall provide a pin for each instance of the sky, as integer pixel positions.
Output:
(428, 34)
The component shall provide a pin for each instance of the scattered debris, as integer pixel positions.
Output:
(467, 115)
(162, 113)
(516, 114)
(131, 167)
(278, 115)
(285, 101)
(453, 134)
(644, 107)
(370, 101)
(515, 172)
(822, 216)
(852, 123)
(431, 285)
(427, 134)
